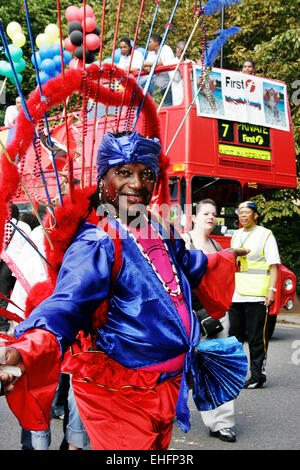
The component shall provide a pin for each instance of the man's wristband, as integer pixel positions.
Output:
(273, 289)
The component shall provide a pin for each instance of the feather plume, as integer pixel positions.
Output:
(213, 6)
(216, 44)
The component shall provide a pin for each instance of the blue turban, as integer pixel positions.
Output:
(132, 148)
(249, 204)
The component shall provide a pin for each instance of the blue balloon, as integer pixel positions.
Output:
(55, 48)
(45, 52)
(43, 77)
(48, 66)
(57, 61)
(117, 56)
(38, 59)
(67, 57)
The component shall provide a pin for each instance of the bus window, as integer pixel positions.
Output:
(226, 193)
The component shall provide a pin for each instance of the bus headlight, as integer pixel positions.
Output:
(289, 305)
(288, 284)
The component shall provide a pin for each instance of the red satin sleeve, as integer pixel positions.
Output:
(217, 284)
(33, 394)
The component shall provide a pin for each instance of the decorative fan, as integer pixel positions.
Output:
(222, 369)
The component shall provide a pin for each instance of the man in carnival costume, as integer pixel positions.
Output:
(120, 315)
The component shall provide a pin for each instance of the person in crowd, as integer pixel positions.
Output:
(132, 336)
(221, 420)
(248, 67)
(177, 81)
(135, 60)
(166, 57)
(12, 112)
(16, 239)
(255, 288)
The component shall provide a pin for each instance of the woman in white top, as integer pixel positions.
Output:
(126, 50)
(220, 420)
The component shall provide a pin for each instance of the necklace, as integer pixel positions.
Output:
(169, 291)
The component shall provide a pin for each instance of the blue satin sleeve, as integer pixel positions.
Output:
(83, 282)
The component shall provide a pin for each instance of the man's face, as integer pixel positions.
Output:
(127, 186)
(247, 217)
(153, 45)
(18, 104)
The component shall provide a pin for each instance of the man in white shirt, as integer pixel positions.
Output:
(166, 57)
(12, 113)
(255, 287)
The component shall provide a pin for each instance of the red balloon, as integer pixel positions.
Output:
(76, 64)
(92, 41)
(68, 45)
(88, 12)
(90, 24)
(73, 13)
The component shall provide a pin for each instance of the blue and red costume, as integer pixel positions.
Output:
(142, 328)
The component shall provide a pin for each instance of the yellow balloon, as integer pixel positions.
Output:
(52, 32)
(43, 40)
(12, 28)
(18, 39)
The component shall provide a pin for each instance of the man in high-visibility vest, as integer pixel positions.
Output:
(255, 288)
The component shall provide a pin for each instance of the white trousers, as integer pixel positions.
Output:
(223, 416)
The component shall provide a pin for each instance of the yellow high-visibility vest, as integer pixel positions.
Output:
(256, 280)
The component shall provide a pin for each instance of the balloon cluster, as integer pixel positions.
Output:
(76, 27)
(48, 57)
(14, 32)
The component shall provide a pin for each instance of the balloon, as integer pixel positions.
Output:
(48, 66)
(72, 13)
(75, 64)
(90, 24)
(57, 61)
(43, 77)
(18, 39)
(97, 30)
(89, 13)
(55, 48)
(45, 52)
(38, 59)
(20, 65)
(52, 32)
(4, 68)
(13, 28)
(76, 38)
(117, 56)
(68, 45)
(89, 56)
(92, 41)
(13, 80)
(67, 57)
(15, 52)
(74, 26)
(43, 40)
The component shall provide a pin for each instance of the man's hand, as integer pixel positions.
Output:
(238, 251)
(9, 357)
(270, 298)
